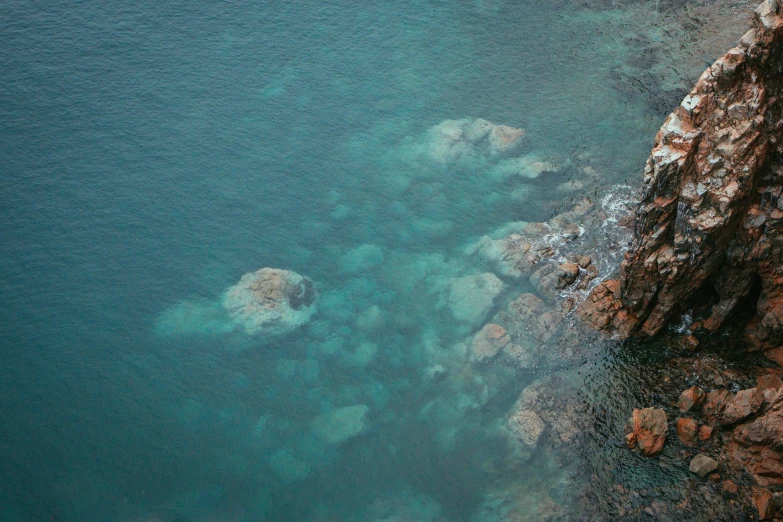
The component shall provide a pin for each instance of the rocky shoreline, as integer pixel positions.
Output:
(707, 251)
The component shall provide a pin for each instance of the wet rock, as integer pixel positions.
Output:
(647, 431)
(702, 465)
(553, 402)
(604, 311)
(691, 399)
(763, 501)
(583, 261)
(489, 341)
(270, 301)
(686, 431)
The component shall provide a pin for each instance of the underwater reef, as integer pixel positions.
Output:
(707, 251)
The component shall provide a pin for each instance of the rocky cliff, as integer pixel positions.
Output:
(709, 228)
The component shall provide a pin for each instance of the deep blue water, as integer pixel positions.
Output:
(154, 152)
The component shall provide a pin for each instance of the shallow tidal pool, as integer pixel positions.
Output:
(156, 152)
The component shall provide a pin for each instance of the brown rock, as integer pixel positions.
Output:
(686, 431)
(583, 261)
(758, 444)
(691, 399)
(744, 404)
(604, 311)
(729, 488)
(769, 382)
(716, 402)
(762, 499)
(647, 431)
(705, 432)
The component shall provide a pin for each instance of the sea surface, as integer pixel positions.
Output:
(155, 152)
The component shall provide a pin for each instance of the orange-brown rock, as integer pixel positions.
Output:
(691, 399)
(744, 404)
(705, 432)
(715, 403)
(769, 382)
(647, 431)
(729, 487)
(762, 499)
(758, 444)
(686, 431)
(603, 310)
(711, 211)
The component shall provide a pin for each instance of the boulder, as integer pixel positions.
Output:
(270, 301)
(702, 465)
(691, 399)
(686, 431)
(715, 402)
(710, 212)
(647, 430)
(744, 404)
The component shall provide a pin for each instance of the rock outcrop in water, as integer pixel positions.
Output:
(711, 212)
(271, 301)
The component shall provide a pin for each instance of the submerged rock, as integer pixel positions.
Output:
(270, 301)
(472, 297)
(342, 424)
(647, 431)
(489, 341)
(452, 141)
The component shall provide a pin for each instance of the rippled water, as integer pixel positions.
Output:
(155, 152)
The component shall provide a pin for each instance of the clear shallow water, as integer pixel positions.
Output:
(156, 152)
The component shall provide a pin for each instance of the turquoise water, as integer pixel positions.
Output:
(155, 152)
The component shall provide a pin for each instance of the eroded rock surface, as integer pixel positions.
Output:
(647, 431)
(711, 211)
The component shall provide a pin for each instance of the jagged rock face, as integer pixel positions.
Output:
(711, 210)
